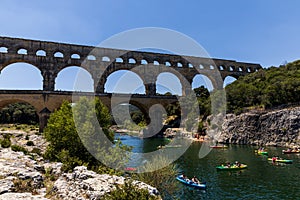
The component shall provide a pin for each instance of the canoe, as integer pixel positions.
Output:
(281, 160)
(261, 152)
(130, 169)
(173, 146)
(218, 146)
(191, 183)
(232, 167)
(289, 152)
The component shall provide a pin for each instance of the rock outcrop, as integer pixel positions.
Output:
(31, 177)
(276, 128)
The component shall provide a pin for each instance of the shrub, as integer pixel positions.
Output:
(5, 143)
(29, 143)
(129, 191)
(24, 186)
(19, 148)
(67, 147)
(163, 179)
(36, 150)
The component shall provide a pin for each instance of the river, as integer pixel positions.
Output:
(261, 180)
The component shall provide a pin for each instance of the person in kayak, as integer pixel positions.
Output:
(195, 180)
(183, 176)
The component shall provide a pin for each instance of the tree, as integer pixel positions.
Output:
(69, 147)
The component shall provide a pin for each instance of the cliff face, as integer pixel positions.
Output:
(278, 128)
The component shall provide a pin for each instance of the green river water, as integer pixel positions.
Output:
(261, 180)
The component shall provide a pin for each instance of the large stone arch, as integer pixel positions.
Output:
(125, 75)
(19, 60)
(26, 65)
(143, 108)
(169, 75)
(229, 77)
(114, 67)
(206, 84)
(65, 67)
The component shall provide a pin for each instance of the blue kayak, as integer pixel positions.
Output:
(191, 183)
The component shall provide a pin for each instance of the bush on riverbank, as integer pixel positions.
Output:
(129, 191)
(67, 147)
(163, 179)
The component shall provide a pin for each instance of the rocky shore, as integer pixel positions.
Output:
(29, 176)
(274, 128)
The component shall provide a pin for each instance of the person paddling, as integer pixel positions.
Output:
(195, 180)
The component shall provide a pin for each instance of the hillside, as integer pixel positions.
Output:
(266, 88)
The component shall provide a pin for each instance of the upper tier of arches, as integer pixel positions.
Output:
(52, 58)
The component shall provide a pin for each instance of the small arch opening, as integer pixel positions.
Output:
(168, 64)
(40, 53)
(131, 61)
(211, 67)
(240, 69)
(22, 51)
(231, 68)
(105, 59)
(58, 54)
(221, 67)
(249, 69)
(190, 65)
(75, 56)
(179, 64)
(119, 60)
(91, 57)
(144, 62)
(155, 62)
(3, 50)
(201, 66)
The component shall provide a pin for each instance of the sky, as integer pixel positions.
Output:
(257, 31)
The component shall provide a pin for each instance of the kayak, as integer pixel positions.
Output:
(289, 152)
(218, 146)
(232, 167)
(261, 152)
(130, 169)
(281, 160)
(191, 183)
(173, 146)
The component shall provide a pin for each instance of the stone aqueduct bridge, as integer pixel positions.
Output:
(52, 57)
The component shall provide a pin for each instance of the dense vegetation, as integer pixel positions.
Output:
(266, 88)
(22, 113)
(65, 144)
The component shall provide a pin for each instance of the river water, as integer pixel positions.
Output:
(261, 180)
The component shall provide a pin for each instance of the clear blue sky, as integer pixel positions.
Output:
(259, 31)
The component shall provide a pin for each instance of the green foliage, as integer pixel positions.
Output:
(163, 179)
(19, 113)
(29, 143)
(129, 191)
(19, 148)
(36, 150)
(27, 185)
(65, 144)
(266, 88)
(5, 143)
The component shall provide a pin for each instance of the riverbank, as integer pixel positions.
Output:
(24, 174)
(258, 127)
